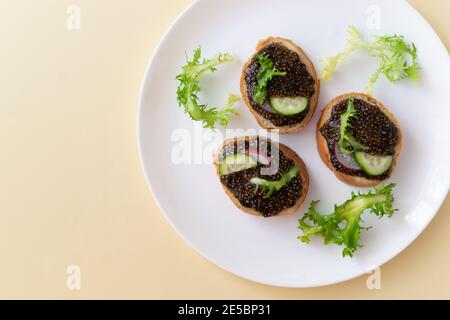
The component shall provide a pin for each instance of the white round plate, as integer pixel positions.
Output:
(267, 250)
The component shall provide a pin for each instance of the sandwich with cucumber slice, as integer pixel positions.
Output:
(262, 177)
(279, 85)
(359, 139)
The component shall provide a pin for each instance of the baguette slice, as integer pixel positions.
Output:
(325, 153)
(267, 124)
(289, 153)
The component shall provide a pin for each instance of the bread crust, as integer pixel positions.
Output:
(322, 146)
(267, 124)
(291, 154)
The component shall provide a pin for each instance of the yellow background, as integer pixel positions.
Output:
(72, 190)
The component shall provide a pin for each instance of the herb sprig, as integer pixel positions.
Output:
(398, 58)
(265, 74)
(347, 143)
(343, 225)
(189, 87)
(271, 186)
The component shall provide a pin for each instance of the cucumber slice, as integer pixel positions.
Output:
(289, 106)
(236, 162)
(373, 165)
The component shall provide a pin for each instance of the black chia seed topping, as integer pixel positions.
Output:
(245, 191)
(371, 127)
(296, 83)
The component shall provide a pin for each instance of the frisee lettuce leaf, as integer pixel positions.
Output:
(270, 187)
(189, 86)
(398, 58)
(347, 143)
(343, 225)
(265, 74)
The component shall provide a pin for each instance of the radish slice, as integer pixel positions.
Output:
(346, 160)
(267, 107)
(261, 158)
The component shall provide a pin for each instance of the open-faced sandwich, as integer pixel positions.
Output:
(279, 85)
(262, 177)
(359, 139)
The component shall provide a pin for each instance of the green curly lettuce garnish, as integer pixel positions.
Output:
(347, 143)
(398, 58)
(265, 74)
(271, 186)
(342, 227)
(189, 87)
